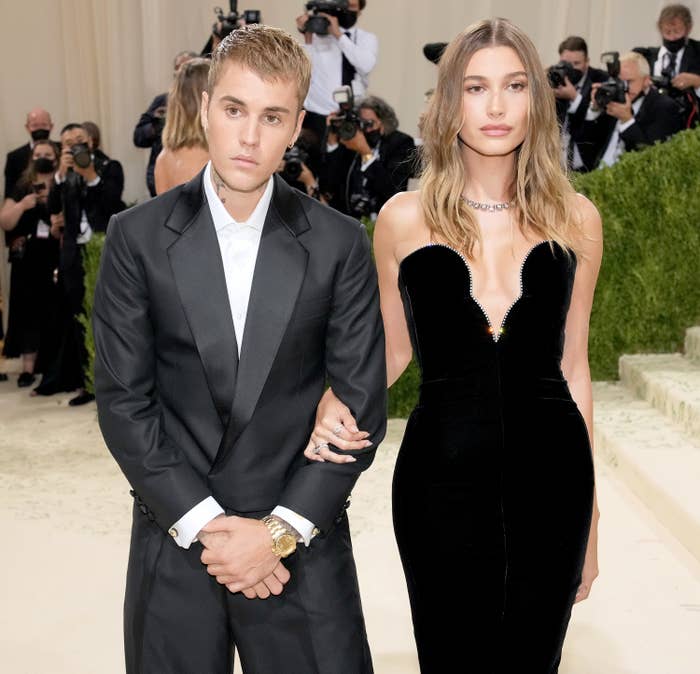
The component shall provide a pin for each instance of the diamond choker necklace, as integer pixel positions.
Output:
(491, 208)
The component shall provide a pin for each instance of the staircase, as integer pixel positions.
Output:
(647, 428)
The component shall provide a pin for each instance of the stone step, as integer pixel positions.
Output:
(692, 343)
(668, 382)
(657, 461)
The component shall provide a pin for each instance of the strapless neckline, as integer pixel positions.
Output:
(495, 333)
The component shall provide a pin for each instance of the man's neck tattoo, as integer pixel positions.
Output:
(220, 185)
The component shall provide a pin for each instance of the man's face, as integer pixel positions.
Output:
(74, 137)
(249, 122)
(38, 120)
(629, 71)
(577, 59)
(374, 123)
(674, 30)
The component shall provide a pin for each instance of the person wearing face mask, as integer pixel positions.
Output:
(678, 59)
(360, 175)
(33, 253)
(644, 118)
(86, 191)
(38, 126)
(573, 98)
(345, 56)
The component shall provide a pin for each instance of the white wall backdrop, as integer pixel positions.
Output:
(104, 60)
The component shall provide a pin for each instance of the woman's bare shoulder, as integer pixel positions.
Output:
(402, 216)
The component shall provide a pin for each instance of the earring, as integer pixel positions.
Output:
(290, 146)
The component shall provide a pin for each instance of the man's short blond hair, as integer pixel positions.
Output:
(636, 57)
(269, 52)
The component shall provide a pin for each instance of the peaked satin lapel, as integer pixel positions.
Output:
(279, 274)
(195, 260)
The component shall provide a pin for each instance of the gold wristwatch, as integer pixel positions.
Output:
(284, 543)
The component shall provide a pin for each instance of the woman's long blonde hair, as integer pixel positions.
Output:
(183, 124)
(542, 192)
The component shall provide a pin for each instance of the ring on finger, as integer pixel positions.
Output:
(319, 447)
(337, 430)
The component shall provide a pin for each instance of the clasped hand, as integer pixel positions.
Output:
(238, 552)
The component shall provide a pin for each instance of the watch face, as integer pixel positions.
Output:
(286, 545)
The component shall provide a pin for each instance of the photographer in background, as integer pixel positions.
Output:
(299, 165)
(86, 192)
(572, 79)
(341, 54)
(150, 125)
(675, 65)
(368, 159)
(627, 113)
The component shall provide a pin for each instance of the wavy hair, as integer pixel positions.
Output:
(540, 187)
(183, 124)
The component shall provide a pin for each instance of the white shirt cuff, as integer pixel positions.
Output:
(58, 179)
(697, 91)
(592, 115)
(573, 106)
(369, 162)
(332, 148)
(626, 125)
(94, 182)
(185, 530)
(301, 524)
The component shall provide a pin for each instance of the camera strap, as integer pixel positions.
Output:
(349, 70)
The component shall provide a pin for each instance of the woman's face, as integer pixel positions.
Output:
(43, 151)
(495, 102)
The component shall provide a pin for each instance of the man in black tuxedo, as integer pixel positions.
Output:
(573, 98)
(644, 118)
(358, 176)
(223, 308)
(38, 126)
(676, 64)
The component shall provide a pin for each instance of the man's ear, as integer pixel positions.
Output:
(204, 108)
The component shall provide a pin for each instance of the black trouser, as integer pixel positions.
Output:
(178, 619)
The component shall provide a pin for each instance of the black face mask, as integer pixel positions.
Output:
(576, 76)
(373, 137)
(674, 46)
(346, 18)
(43, 165)
(39, 134)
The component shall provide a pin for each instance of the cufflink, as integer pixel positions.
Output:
(173, 532)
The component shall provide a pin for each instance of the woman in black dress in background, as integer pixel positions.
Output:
(33, 254)
(487, 275)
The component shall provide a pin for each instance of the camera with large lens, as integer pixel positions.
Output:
(559, 73)
(293, 160)
(81, 155)
(614, 90)
(227, 23)
(319, 24)
(362, 204)
(347, 122)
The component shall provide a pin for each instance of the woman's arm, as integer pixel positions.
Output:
(12, 211)
(575, 359)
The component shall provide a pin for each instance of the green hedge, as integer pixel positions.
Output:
(91, 263)
(648, 292)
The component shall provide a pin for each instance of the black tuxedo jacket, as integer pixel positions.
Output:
(658, 119)
(386, 176)
(16, 162)
(184, 417)
(148, 134)
(576, 120)
(690, 63)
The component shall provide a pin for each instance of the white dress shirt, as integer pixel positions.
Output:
(616, 146)
(662, 60)
(326, 53)
(239, 243)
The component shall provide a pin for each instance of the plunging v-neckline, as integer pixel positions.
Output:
(495, 333)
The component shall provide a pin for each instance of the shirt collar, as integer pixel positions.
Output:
(679, 54)
(222, 218)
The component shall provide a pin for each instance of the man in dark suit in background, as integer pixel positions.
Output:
(676, 64)
(573, 99)
(644, 118)
(358, 176)
(222, 308)
(38, 127)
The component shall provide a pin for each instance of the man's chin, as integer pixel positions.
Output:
(246, 183)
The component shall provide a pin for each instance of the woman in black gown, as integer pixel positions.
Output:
(487, 275)
(33, 252)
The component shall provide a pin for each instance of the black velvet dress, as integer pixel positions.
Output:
(493, 489)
